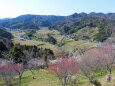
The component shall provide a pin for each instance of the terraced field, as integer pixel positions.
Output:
(70, 45)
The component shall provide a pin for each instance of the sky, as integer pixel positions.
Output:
(14, 8)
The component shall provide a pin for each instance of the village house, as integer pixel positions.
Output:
(20, 31)
(24, 37)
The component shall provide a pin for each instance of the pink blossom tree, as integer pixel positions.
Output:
(19, 68)
(8, 73)
(106, 56)
(95, 60)
(88, 66)
(65, 67)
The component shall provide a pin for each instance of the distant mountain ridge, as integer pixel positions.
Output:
(69, 20)
(30, 21)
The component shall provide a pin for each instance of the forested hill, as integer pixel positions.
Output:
(5, 34)
(100, 24)
(71, 20)
(30, 21)
(5, 42)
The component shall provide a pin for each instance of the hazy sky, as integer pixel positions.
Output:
(13, 8)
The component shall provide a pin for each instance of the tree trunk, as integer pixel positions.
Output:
(47, 64)
(109, 68)
(65, 81)
(110, 71)
(20, 77)
(60, 80)
(71, 82)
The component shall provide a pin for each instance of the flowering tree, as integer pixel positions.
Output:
(88, 66)
(94, 60)
(19, 68)
(8, 72)
(106, 56)
(65, 67)
(23, 62)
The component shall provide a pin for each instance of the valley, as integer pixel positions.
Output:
(74, 50)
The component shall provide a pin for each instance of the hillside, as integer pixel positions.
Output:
(5, 34)
(5, 45)
(30, 21)
(5, 42)
(74, 23)
(87, 31)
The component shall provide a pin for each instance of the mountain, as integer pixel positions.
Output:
(30, 21)
(99, 23)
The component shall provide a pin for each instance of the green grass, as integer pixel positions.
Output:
(45, 30)
(37, 43)
(44, 77)
(16, 33)
(27, 42)
(70, 45)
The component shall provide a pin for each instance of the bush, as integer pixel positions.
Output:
(51, 40)
(96, 82)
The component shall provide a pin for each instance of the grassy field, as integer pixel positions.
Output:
(16, 33)
(44, 77)
(48, 78)
(71, 45)
(26, 42)
(45, 30)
